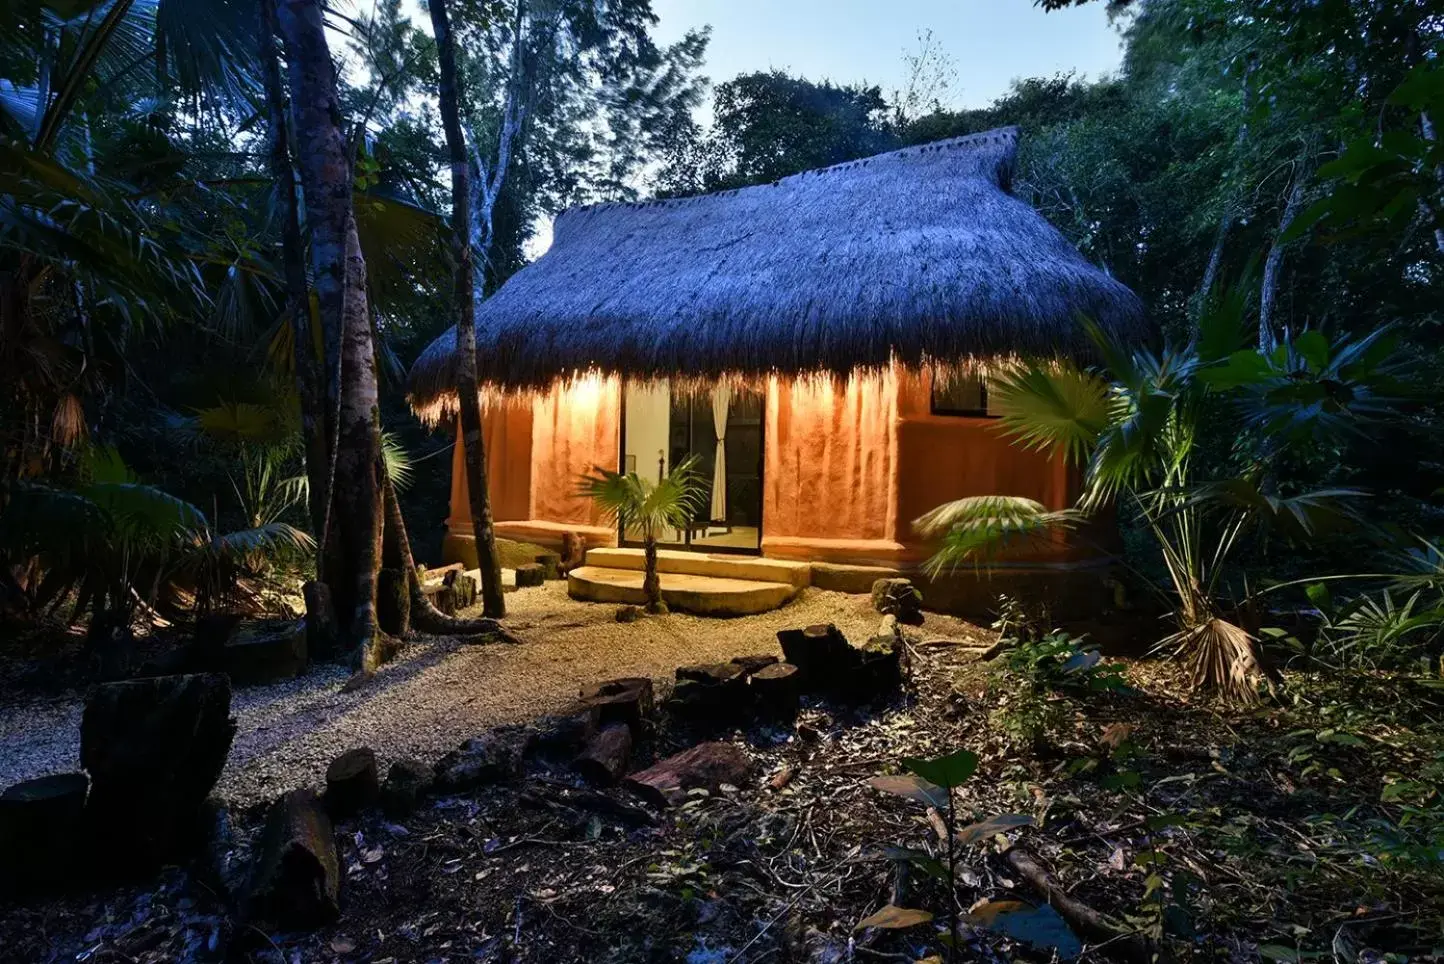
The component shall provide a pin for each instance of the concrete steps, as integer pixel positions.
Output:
(716, 565)
(703, 595)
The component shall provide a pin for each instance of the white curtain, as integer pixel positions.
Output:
(721, 395)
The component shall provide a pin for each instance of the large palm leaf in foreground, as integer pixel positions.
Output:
(1135, 433)
(650, 508)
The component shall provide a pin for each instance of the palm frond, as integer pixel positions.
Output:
(1299, 517)
(1220, 657)
(396, 460)
(1051, 408)
(976, 528)
(265, 539)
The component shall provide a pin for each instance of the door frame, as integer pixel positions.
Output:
(686, 544)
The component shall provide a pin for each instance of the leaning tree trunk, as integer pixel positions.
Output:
(493, 603)
(354, 513)
(309, 388)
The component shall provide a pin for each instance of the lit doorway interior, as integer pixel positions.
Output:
(662, 424)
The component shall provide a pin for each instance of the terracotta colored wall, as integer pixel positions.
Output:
(831, 460)
(507, 430)
(574, 427)
(847, 468)
(947, 457)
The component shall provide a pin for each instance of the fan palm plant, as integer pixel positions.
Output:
(650, 508)
(1135, 430)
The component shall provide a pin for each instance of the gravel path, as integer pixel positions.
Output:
(439, 692)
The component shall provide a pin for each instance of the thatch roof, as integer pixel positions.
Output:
(916, 255)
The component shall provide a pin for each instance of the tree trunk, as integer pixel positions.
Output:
(493, 603)
(1273, 263)
(424, 615)
(651, 581)
(293, 256)
(340, 279)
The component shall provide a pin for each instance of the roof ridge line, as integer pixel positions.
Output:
(995, 136)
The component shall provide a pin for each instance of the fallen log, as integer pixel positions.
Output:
(706, 766)
(1094, 926)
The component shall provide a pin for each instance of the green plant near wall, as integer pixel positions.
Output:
(650, 508)
(1134, 427)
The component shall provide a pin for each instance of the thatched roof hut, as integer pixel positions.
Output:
(915, 256)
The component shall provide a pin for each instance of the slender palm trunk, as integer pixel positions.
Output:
(493, 603)
(340, 278)
(293, 256)
(651, 582)
(1273, 263)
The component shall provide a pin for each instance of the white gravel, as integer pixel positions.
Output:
(440, 692)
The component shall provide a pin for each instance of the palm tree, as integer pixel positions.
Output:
(1136, 432)
(639, 504)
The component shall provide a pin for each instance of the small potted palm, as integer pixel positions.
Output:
(650, 508)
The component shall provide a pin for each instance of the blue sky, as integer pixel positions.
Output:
(991, 42)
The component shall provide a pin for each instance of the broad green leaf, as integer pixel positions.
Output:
(913, 788)
(984, 829)
(918, 858)
(952, 770)
(895, 918)
(1039, 926)
(1313, 347)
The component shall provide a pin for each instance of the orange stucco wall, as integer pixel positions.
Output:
(947, 457)
(847, 466)
(830, 468)
(507, 429)
(537, 448)
(574, 428)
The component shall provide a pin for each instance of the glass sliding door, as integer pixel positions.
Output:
(664, 424)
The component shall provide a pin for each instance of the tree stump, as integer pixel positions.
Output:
(827, 663)
(821, 653)
(493, 757)
(406, 782)
(720, 674)
(574, 552)
(154, 748)
(393, 602)
(352, 783)
(709, 695)
(550, 563)
(296, 878)
(628, 700)
(900, 598)
(604, 760)
(40, 823)
(775, 691)
(463, 588)
(563, 734)
(264, 651)
(322, 634)
(530, 574)
(751, 664)
(706, 765)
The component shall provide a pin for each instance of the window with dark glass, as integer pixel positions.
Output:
(959, 393)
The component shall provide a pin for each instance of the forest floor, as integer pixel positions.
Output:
(438, 692)
(1308, 828)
